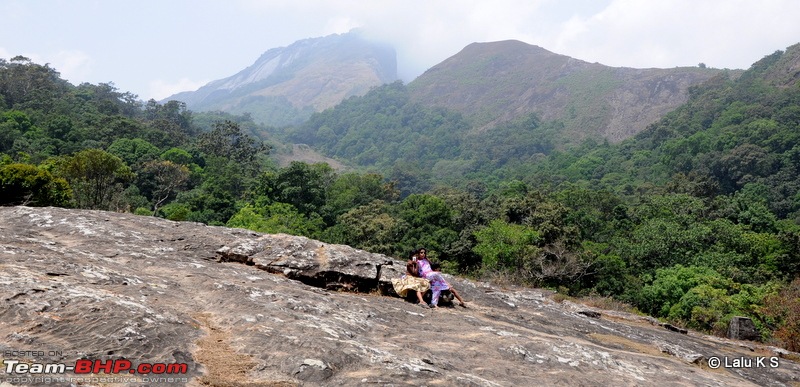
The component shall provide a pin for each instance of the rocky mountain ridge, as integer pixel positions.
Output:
(501, 81)
(286, 84)
(242, 308)
(489, 82)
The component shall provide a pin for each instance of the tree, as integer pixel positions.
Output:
(96, 177)
(134, 152)
(783, 311)
(741, 165)
(171, 117)
(671, 284)
(167, 178)
(177, 156)
(23, 83)
(351, 190)
(109, 101)
(276, 218)
(430, 223)
(227, 140)
(468, 216)
(503, 246)
(304, 186)
(13, 124)
(25, 184)
(369, 227)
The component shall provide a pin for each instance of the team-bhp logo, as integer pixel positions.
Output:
(85, 366)
(93, 371)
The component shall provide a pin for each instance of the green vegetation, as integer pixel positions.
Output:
(694, 221)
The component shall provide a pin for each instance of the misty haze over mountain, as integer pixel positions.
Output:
(489, 83)
(286, 84)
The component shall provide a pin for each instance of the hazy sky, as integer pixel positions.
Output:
(154, 48)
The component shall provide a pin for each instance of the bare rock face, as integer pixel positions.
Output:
(242, 308)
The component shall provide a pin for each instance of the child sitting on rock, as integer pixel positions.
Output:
(438, 283)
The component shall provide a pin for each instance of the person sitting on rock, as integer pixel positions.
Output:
(432, 272)
(410, 281)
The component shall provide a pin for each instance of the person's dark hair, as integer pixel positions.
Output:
(412, 254)
(435, 266)
(422, 248)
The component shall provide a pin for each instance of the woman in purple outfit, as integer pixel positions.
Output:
(438, 283)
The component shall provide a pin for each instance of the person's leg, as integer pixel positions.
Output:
(435, 298)
(419, 297)
(455, 293)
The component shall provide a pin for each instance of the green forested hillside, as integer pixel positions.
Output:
(693, 221)
(733, 136)
(384, 128)
(387, 132)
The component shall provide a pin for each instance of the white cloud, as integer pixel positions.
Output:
(637, 33)
(632, 33)
(74, 65)
(423, 32)
(340, 25)
(160, 89)
(214, 40)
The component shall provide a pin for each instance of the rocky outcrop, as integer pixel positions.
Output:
(333, 267)
(242, 308)
(785, 71)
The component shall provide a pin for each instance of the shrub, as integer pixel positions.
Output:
(783, 310)
(28, 185)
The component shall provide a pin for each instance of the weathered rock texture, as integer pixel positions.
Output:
(243, 308)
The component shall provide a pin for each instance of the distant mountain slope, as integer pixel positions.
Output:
(287, 84)
(738, 135)
(500, 81)
(785, 72)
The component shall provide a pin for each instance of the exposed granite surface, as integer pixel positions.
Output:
(242, 308)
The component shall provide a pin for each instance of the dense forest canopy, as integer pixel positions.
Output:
(695, 220)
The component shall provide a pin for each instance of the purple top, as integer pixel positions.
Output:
(424, 267)
(437, 281)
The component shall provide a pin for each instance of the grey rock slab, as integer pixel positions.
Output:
(294, 311)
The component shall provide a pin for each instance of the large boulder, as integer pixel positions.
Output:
(315, 263)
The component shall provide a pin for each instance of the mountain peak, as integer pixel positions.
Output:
(501, 81)
(308, 75)
(491, 57)
(509, 45)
